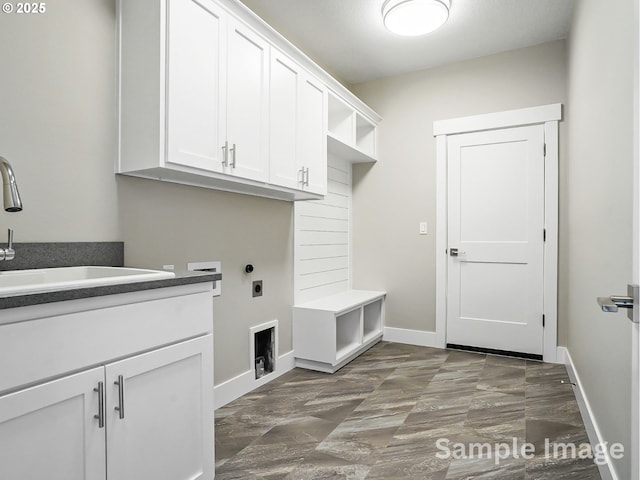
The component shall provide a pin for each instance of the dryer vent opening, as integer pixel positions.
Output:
(264, 351)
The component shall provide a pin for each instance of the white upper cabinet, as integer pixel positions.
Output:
(211, 96)
(195, 110)
(284, 140)
(298, 156)
(247, 103)
(313, 145)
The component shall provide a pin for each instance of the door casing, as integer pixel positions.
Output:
(549, 116)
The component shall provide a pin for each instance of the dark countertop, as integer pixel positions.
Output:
(186, 278)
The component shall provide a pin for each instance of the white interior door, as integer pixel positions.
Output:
(496, 223)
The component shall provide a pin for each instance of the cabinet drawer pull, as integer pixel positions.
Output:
(233, 156)
(100, 414)
(120, 407)
(225, 154)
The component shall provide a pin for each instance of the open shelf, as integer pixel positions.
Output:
(347, 152)
(350, 135)
(372, 320)
(331, 331)
(348, 333)
(340, 120)
(365, 135)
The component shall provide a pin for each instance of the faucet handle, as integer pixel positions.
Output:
(8, 253)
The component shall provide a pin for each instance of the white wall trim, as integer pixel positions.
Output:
(635, 335)
(561, 355)
(551, 196)
(549, 116)
(246, 382)
(590, 423)
(411, 337)
(441, 240)
(490, 121)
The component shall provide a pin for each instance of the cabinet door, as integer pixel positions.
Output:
(313, 135)
(49, 431)
(195, 82)
(285, 94)
(166, 401)
(247, 102)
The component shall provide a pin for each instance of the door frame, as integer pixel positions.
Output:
(549, 116)
(635, 336)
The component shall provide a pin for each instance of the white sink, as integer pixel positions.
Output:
(23, 282)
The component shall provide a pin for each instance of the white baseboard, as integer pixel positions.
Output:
(595, 437)
(411, 337)
(245, 382)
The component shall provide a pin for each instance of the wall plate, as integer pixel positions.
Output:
(256, 288)
(211, 266)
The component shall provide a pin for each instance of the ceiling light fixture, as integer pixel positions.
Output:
(414, 17)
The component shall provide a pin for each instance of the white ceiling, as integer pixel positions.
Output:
(348, 39)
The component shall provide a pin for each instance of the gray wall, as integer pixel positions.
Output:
(165, 223)
(597, 187)
(58, 129)
(57, 121)
(392, 197)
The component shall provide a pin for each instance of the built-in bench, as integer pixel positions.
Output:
(331, 331)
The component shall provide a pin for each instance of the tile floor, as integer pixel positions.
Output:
(381, 416)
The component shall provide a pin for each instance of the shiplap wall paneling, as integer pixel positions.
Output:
(323, 238)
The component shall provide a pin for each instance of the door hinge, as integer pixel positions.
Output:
(544, 149)
(544, 234)
(543, 321)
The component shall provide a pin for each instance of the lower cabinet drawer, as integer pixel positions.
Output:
(35, 350)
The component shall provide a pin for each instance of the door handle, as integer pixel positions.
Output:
(233, 150)
(100, 415)
(225, 154)
(454, 252)
(120, 407)
(628, 301)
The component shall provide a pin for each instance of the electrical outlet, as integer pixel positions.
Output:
(256, 288)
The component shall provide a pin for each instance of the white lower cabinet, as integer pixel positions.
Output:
(157, 424)
(48, 431)
(152, 419)
(146, 411)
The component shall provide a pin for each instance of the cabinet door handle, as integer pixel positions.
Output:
(301, 173)
(225, 154)
(100, 415)
(306, 182)
(233, 156)
(120, 407)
